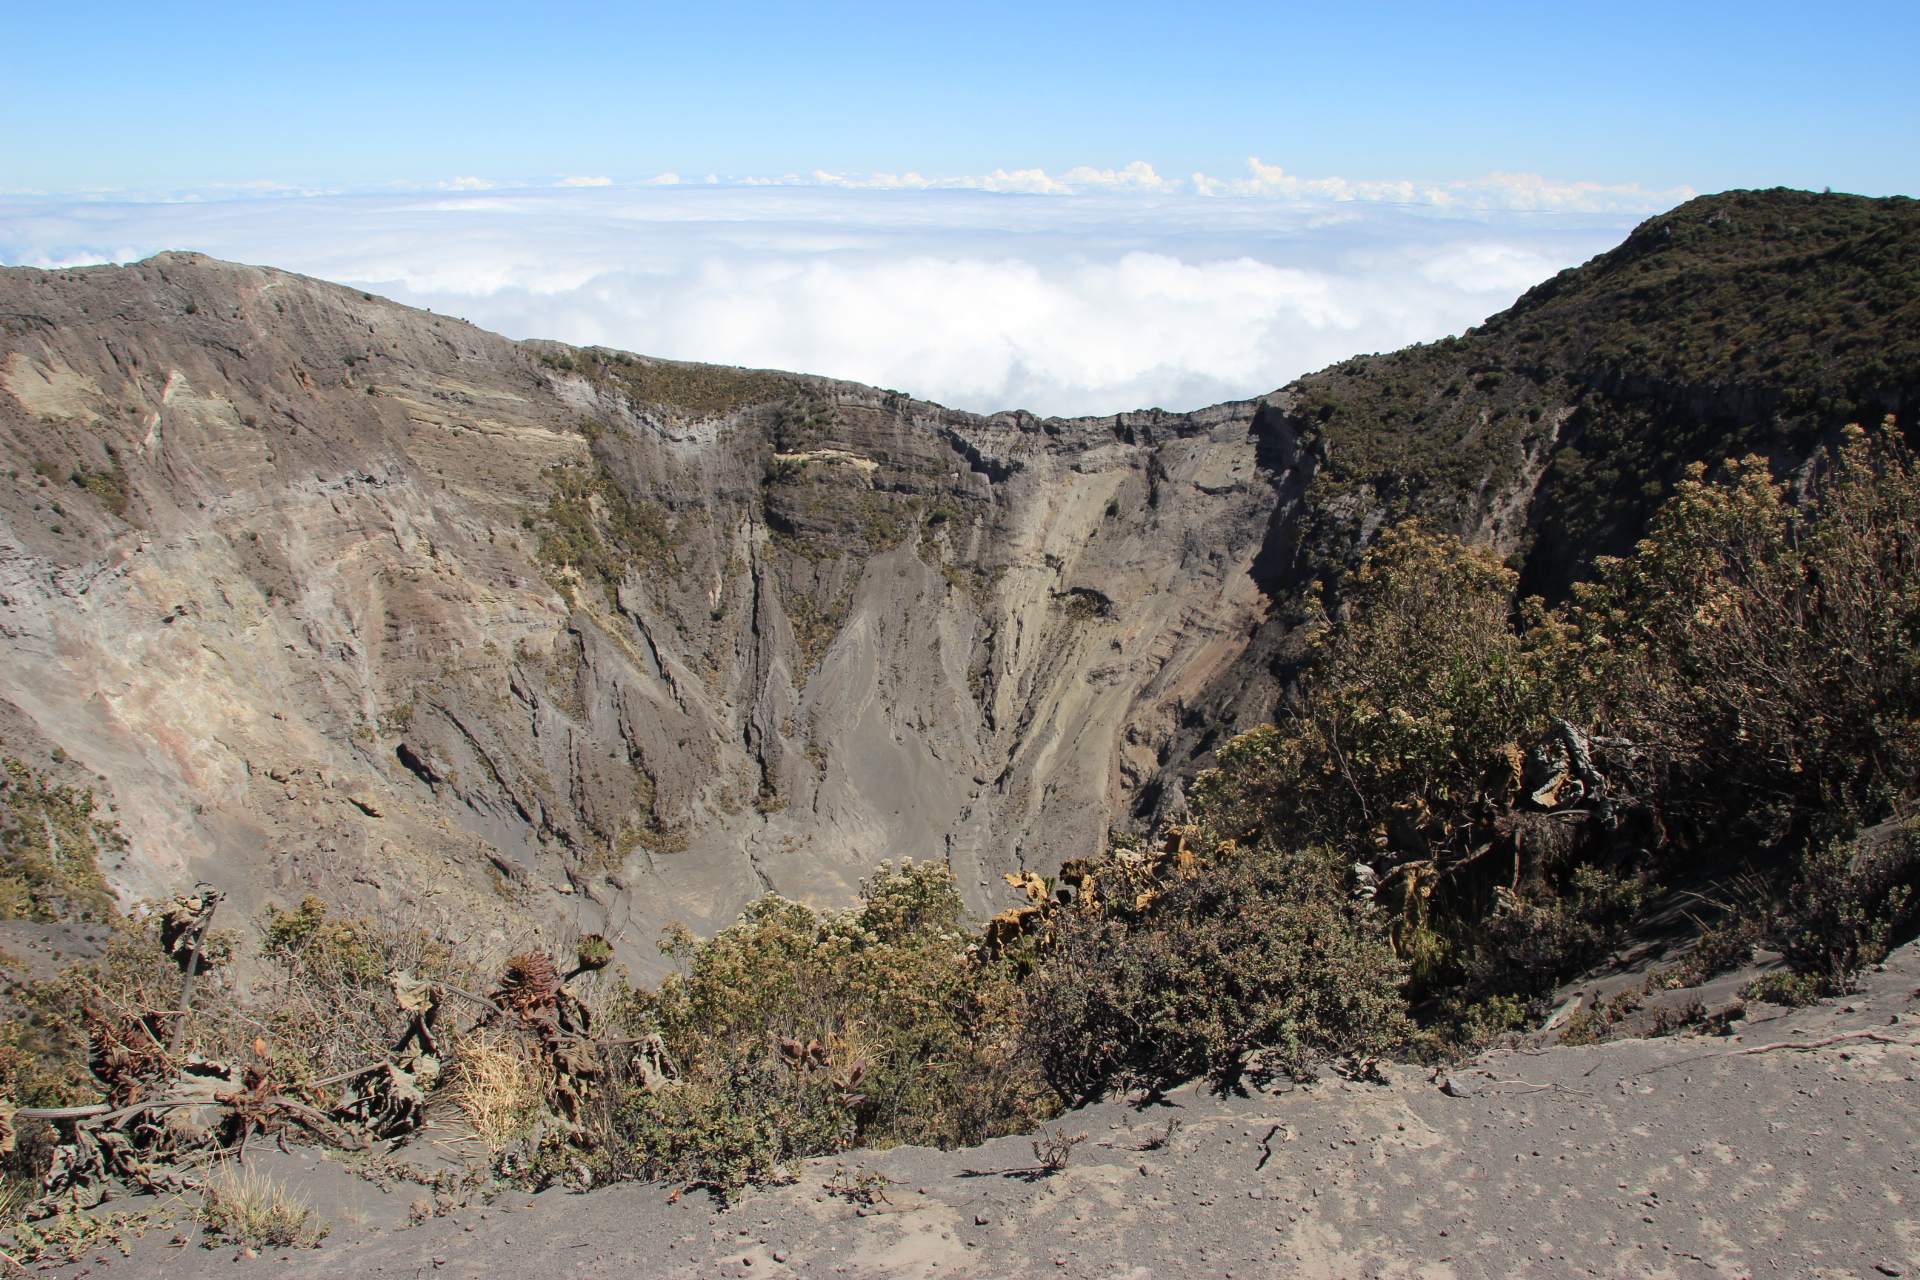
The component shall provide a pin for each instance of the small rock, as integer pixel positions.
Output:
(779, 1255)
(1455, 1087)
(981, 1219)
(1889, 1268)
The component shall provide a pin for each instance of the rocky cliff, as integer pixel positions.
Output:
(342, 597)
(337, 596)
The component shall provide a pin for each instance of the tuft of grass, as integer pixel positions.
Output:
(498, 1089)
(255, 1211)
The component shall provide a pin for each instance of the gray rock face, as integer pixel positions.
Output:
(346, 598)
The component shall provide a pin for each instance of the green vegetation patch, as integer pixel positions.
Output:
(595, 528)
(111, 487)
(53, 838)
(1751, 321)
(702, 388)
(797, 1033)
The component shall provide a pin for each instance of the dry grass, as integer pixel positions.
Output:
(254, 1211)
(499, 1088)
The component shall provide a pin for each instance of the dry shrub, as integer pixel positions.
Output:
(499, 1086)
(329, 1004)
(127, 997)
(255, 1211)
(1776, 640)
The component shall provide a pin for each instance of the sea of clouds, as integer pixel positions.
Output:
(1086, 292)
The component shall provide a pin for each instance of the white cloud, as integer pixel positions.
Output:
(1502, 191)
(1086, 292)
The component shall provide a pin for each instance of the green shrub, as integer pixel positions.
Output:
(1783, 986)
(1777, 644)
(796, 1033)
(1596, 1024)
(111, 487)
(1723, 947)
(1530, 946)
(1255, 948)
(744, 1121)
(1409, 698)
(1850, 902)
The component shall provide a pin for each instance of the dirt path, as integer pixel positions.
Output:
(1791, 1149)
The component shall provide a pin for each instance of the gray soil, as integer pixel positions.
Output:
(1786, 1147)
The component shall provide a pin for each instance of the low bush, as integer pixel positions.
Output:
(1530, 944)
(797, 1032)
(328, 1003)
(1784, 986)
(1850, 902)
(1248, 949)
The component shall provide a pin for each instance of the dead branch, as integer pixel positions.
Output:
(211, 897)
(344, 1076)
(1876, 1036)
(62, 1113)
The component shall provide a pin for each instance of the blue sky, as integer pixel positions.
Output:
(1707, 95)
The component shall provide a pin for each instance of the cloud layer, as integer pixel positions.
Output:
(1089, 292)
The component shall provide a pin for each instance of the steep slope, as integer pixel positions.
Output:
(348, 598)
(342, 597)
